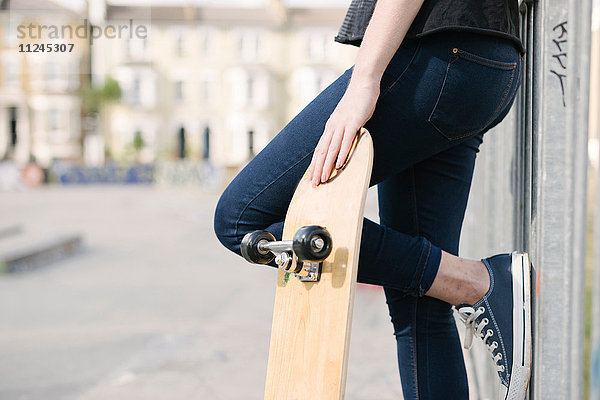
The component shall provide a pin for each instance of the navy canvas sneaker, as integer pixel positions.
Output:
(502, 319)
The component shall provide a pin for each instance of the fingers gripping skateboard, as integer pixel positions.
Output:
(311, 245)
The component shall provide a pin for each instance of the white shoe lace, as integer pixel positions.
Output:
(468, 315)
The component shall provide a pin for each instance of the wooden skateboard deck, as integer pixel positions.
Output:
(310, 334)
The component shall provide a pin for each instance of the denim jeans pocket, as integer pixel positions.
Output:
(474, 92)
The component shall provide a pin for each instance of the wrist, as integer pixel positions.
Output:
(366, 76)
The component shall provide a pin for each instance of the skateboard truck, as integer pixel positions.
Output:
(310, 246)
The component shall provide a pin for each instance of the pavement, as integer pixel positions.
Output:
(153, 307)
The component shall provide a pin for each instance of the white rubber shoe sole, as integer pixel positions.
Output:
(521, 362)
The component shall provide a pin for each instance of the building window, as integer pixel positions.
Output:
(11, 72)
(205, 43)
(251, 89)
(205, 91)
(206, 144)
(55, 73)
(74, 74)
(179, 44)
(181, 142)
(51, 72)
(179, 95)
(257, 89)
(74, 123)
(149, 90)
(10, 30)
(127, 44)
(136, 89)
(135, 47)
(12, 114)
(250, 45)
(251, 143)
(319, 46)
(52, 119)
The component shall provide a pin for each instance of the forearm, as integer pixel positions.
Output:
(389, 24)
(390, 21)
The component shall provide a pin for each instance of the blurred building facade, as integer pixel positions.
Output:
(207, 82)
(40, 92)
(213, 83)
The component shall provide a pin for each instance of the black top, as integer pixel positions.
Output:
(493, 17)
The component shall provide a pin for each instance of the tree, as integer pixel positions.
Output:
(138, 141)
(95, 98)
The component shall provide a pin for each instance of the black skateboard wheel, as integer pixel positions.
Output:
(249, 247)
(312, 243)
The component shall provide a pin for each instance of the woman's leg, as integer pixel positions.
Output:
(259, 196)
(429, 199)
(433, 98)
(405, 132)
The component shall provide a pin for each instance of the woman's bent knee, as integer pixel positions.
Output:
(225, 223)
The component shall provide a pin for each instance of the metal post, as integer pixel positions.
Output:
(594, 366)
(545, 141)
(522, 132)
(578, 98)
(559, 203)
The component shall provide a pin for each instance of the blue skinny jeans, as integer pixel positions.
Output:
(438, 96)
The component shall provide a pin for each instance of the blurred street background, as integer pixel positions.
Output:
(115, 148)
(112, 157)
(152, 306)
(157, 91)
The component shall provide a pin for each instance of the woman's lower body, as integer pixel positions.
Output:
(439, 95)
